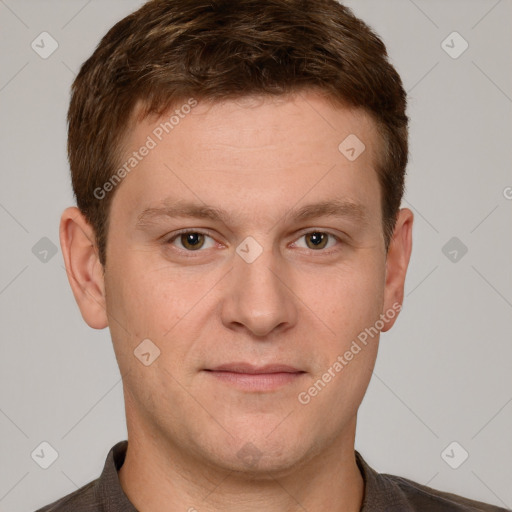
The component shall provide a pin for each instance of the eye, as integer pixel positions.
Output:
(317, 240)
(192, 240)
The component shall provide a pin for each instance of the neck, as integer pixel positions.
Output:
(158, 476)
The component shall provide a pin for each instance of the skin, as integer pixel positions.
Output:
(296, 304)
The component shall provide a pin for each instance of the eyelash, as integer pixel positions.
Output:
(176, 235)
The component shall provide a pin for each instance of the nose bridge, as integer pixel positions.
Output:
(257, 297)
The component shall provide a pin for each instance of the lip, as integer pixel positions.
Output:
(248, 377)
(248, 368)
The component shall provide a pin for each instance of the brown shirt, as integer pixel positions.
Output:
(382, 493)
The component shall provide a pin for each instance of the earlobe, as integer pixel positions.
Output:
(84, 270)
(397, 262)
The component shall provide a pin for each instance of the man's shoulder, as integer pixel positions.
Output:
(103, 493)
(399, 494)
(421, 497)
(81, 500)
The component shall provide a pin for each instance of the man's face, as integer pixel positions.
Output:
(251, 308)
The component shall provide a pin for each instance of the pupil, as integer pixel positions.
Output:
(317, 239)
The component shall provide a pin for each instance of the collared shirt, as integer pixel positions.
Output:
(382, 493)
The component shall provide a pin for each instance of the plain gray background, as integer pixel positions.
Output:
(443, 372)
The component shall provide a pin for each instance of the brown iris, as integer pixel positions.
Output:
(192, 241)
(319, 240)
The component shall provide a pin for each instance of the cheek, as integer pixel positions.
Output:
(348, 299)
(147, 298)
(159, 303)
(352, 306)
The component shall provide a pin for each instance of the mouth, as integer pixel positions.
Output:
(248, 377)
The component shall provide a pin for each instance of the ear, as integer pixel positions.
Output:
(85, 272)
(397, 261)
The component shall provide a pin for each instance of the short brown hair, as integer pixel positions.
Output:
(170, 50)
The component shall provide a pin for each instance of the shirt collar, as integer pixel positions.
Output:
(108, 489)
(381, 491)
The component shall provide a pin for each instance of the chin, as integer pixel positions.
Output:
(264, 457)
(263, 465)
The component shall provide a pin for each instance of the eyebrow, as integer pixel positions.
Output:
(182, 209)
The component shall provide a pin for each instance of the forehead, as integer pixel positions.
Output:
(254, 151)
(280, 124)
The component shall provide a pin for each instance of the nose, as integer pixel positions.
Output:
(259, 297)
